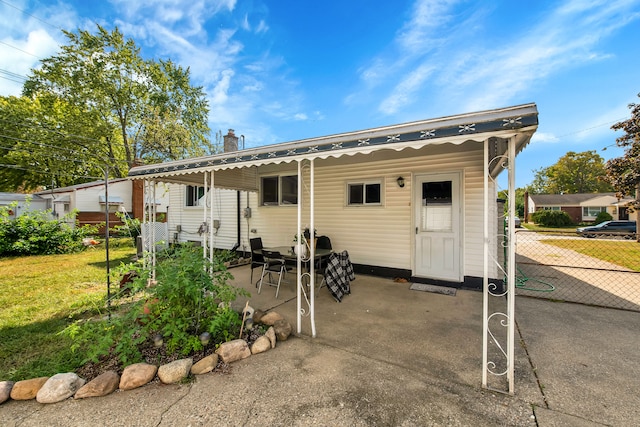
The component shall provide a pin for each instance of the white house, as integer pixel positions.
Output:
(416, 199)
(90, 200)
(19, 204)
(429, 227)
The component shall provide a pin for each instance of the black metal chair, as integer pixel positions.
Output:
(323, 242)
(257, 259)
(274, 262)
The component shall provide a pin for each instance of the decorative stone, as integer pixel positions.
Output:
(271, 334)
(233, 350)
(257, 316)
(205, 365)
(27, 389)
(101, 385)
(270, 318)
(261, 345)
(283, 329)
(175, 371)
(5, 390)
(137, 375)
(59, 387)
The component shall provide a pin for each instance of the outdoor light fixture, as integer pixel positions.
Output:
(400, 182)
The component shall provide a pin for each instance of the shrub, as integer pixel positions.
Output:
(602, 217)
(130, 228)
(35, 233)
(549, 218)
(191, 296)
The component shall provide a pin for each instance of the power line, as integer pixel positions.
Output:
(33, 16)
(39, 171)
(17, 48)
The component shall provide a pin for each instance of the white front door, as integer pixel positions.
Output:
(438, 226)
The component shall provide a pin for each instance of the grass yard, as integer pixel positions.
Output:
(622, 253)
(39, 297)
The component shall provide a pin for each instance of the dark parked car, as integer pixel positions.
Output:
(609, 228)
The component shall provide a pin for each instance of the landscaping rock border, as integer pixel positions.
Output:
(63, 386)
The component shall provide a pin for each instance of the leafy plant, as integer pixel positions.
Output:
(35, 233)
(190, 295)
(130, 226)
(602, 217)
(551, 218)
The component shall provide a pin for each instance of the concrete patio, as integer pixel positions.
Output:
(390, 356)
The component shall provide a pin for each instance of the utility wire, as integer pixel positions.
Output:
(33, 16)
(39, 171)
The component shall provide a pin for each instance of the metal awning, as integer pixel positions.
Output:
(238, 170)
(113, 200)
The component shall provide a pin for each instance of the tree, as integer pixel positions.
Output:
(143, 109)
(40, 143)
(624, 172)
(573, 173)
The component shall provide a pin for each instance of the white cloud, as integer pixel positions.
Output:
(300, 116)
(404, 92)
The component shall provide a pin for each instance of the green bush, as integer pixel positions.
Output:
(190, 296)
(35, 233)
(602, 217)
(131, 227)
(549, 218)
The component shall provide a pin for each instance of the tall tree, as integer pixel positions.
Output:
(624, 172)
(573, 173)
(145, 109)
(45, 140)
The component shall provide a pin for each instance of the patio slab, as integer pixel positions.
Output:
(388, 355)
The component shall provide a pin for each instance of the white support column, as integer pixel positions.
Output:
(153, 217)
(211, 211)
(312, 248)
(298, 252)
(485, 274)
(511, 266)
(204, 216)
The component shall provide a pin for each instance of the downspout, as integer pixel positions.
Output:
(238, 219)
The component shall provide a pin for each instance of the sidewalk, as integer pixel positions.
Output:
(389, 356)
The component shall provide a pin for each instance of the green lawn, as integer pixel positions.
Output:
(624, 253)
(39, 297)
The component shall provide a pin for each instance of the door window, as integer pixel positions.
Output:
(437, 204)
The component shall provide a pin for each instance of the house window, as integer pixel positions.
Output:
(551, 208)
(364, 193)
(194, 195)
(279, 190)
(592, 211)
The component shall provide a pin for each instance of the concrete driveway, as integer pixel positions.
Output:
(390, 356)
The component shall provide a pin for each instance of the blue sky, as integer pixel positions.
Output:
(279, 71)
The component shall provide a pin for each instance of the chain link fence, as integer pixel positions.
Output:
(602, 271)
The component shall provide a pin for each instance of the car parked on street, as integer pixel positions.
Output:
(626, 229)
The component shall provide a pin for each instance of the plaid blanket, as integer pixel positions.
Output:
(338, 274)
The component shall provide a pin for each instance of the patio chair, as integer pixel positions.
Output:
(323, 242)
(274, 262)
(257, 259)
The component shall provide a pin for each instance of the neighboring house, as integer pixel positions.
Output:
(90, 201)
(406, 200)
(582, 207)
(23, 203)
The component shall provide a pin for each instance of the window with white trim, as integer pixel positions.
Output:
(194, 195)
(364, 193)
(279, 190)
(592, 211)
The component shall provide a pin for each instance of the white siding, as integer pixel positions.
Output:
(380, 235)
(191, 217)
